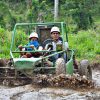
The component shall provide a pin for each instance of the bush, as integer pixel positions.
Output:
(85, 43)
(20, 38)
(4, 42)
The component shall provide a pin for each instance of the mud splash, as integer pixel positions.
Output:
(62, 80)
(32, 92)
(69, 81)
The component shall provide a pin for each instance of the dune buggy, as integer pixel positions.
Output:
(29, 66)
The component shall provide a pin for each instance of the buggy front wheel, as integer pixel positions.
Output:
(60, 66)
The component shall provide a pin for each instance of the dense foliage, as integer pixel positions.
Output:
(5, 39)
(81, 17)
(86, 44)
(79, 14)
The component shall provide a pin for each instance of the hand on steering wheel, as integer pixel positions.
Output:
(47, 41)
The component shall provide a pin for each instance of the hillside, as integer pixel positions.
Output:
(81, 18)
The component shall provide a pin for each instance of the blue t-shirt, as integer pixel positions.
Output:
(35, 43)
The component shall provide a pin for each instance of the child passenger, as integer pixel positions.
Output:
(32, 45)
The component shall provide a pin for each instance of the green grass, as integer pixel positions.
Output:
(5, 42)
(86, 44)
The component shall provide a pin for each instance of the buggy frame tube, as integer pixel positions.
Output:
(19, 24)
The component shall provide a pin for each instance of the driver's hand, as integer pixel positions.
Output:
(32, 46)
(49, 46)
(20, 47)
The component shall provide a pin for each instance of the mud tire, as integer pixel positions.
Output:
(60, 66)
(85, 69)
(2, 62)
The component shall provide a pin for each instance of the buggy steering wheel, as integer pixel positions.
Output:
(47, 41)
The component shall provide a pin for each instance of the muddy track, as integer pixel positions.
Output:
(36, 92)
(31, 92)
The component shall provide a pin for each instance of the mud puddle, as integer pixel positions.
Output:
(31, 92)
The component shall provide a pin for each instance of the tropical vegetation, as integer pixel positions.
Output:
(81, 17)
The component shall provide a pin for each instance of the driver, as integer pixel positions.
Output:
(33, 44)
(56, 39)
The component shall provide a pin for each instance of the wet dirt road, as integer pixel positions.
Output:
(31, 92)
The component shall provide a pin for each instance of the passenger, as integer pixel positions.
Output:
(32, 45)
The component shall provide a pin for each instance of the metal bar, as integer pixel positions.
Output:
(50, 55)
(62, 31)
(11, 54)
(54, 54)
(14, 77)
(6, 67)
(45, 68)
(48, 23)
(32, 51)
(13, 34)
(66, 32)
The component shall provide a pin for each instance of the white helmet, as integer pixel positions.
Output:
(33, 34)
(55, 29)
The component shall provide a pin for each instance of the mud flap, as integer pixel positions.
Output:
(70, 67)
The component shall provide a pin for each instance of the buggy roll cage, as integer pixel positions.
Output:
(62, 26)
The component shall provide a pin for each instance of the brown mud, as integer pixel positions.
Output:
(74, 81)
(49, 87)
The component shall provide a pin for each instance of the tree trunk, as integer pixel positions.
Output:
(56, 3)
